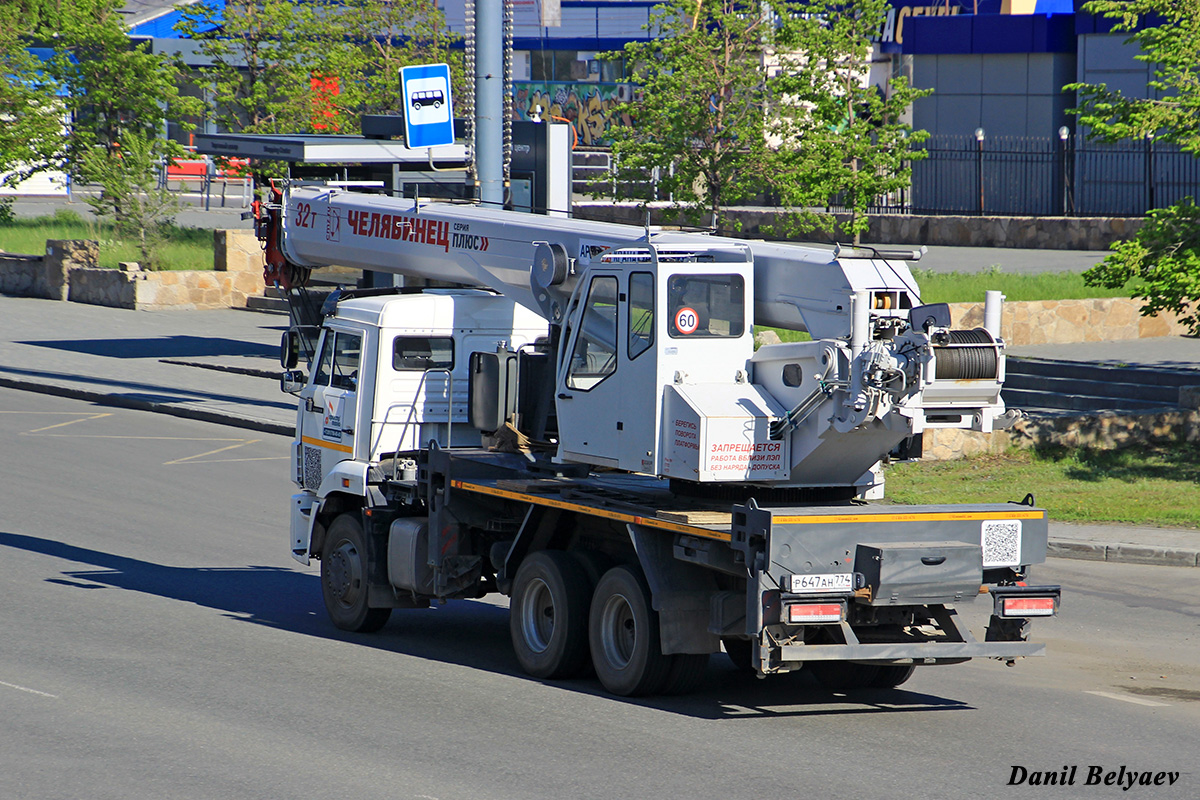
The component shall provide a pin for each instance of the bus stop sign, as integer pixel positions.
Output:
(425, 90)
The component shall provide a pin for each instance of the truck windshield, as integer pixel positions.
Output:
(706, 306)
(337, 365)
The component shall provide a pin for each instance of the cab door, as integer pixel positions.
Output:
(589, 396)
(330, 405)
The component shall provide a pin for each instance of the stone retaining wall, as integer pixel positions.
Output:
(1042, 233)
(1100, 432)
(69, 272)
(1070, 321)
(46, 276)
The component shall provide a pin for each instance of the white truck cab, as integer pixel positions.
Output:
(390, 375)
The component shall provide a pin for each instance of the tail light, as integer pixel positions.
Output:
(1025, 601)
(815, 613)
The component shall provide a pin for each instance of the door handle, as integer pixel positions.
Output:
(932, 561)
(348, 430)
(565, 396)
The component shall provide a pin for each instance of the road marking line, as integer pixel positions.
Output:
(1127, 699)
(27, 689)
(238, 460)
(242, 443)
(58, 413)
(72, 422)
(145, 438)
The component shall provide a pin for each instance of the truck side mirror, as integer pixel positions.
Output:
(292, 381)
(289, 349)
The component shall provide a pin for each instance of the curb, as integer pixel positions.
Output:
(1123, 553)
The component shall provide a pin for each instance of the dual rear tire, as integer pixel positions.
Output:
(560, 613)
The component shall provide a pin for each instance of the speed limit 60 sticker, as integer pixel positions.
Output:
(687, 320)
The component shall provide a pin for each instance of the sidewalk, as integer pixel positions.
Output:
(222, 366)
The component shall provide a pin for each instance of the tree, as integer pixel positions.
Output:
(264, 54)
(1163, 260)
(283, 66)
(382, 37)
(847, 138)
(119, 95)
(31, 116)
(699, 118)
(131, 195)
(741, 99)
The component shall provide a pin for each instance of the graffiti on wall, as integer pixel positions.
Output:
(589, 107)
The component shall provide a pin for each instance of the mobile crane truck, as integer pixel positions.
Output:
(587, 428)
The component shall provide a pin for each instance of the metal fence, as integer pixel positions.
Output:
(1027, 176)
(1022, 176)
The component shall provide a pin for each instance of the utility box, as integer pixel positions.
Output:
(920, 573)
(541, 155)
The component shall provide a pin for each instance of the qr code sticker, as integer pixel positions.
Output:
(312, 467)
(1001, 543)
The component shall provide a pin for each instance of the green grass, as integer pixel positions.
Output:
(185, 248)
(1157, 486)
(962, 287)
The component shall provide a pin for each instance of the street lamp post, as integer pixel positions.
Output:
(979, 136)
(1064, 136)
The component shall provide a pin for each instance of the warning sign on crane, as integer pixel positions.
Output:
(426, 92)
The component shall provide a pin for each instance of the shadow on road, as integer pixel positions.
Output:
(152, 392)
(463, 632)
(160, 347)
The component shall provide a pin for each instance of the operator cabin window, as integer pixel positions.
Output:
(595, 355)
(706, 306)
(641, 313)
(422, 353)
(337, 365)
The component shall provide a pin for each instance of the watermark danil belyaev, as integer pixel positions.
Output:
(1091, 775)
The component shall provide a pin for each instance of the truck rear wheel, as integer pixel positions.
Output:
(548, 615)
(892, 675)
(686, 673)
(739, 652)
(624, 635)
(344, 571)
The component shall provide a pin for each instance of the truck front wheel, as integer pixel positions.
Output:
(344, 578)
(549, 614)
(624, 635)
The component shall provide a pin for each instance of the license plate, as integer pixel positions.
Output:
(841, 582)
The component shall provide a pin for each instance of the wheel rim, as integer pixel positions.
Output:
(618, 631)
(537, 616)
(345, 574)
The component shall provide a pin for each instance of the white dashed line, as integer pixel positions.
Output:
(1127, 699)
(27, 689)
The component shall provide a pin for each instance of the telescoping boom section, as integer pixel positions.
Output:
(579, 419)
(657, 370)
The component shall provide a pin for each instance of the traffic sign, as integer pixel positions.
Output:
(687, 320)
(425, 90)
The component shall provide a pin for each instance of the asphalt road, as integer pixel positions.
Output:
(158, 642)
